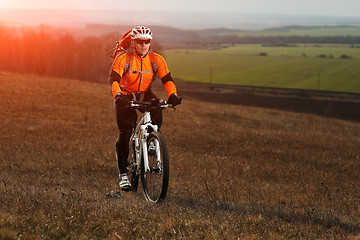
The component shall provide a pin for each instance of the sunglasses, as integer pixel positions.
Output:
(138, 41)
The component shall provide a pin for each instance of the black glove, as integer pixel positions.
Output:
(122, 99)
(174, 99)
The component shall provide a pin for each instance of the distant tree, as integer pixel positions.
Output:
(63, 55)
(322, 56)
(90, 52)
(344, 56)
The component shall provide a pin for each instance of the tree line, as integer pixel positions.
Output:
(46, 51)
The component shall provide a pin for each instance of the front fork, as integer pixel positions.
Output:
(145, 156)
(144, 136)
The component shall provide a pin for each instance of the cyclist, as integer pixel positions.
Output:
(137, 79)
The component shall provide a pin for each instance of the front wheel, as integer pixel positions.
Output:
(132, 167)
(155, 182)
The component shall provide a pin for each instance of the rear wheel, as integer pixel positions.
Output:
(155, 182)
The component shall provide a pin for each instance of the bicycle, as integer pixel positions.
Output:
(149, 154)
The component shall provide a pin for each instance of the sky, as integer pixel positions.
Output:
(346, 8)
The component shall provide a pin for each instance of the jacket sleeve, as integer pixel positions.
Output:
(169, 84)
(115, 74)
(165, 76)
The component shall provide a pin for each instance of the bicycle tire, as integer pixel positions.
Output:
(155, 182)
(134, 177)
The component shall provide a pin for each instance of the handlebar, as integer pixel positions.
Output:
(151, 104)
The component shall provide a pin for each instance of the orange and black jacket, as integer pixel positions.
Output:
(140, 74)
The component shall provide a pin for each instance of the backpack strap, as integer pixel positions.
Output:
(128, 64)
(153, 61)
(127, 67)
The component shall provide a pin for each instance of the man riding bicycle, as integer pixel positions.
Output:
(133, 73)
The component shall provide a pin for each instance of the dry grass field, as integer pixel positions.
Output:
(237, 171)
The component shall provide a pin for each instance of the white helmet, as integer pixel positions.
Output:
(141, 32)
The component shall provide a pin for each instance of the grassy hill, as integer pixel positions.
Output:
(236, 170)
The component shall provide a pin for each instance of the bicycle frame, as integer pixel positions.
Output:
(141, 133)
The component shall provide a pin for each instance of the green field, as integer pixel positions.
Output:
(285, 67)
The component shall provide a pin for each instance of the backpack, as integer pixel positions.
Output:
(122, 46)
